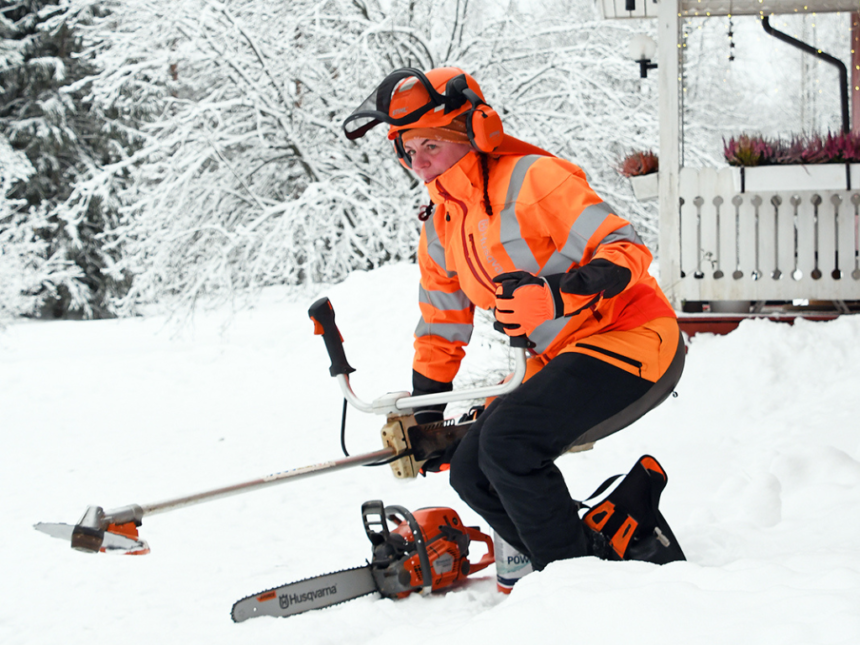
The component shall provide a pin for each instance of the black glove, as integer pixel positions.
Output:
(422, 385)
(598, 276)
(440, 461)
(430, 414)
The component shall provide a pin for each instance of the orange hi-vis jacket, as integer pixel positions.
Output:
(546, 220)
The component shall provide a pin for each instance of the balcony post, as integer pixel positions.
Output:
(668, 57)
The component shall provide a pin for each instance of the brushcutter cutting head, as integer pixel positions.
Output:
(98, 532)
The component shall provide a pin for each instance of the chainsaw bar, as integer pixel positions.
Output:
(312, 593)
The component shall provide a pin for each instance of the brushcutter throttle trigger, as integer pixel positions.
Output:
(322, 313)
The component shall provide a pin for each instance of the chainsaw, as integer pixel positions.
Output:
(427, 550)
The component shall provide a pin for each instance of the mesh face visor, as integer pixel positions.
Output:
(377, 108)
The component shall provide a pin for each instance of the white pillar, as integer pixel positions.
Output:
(668, 45)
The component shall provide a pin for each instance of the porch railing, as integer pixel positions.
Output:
(770, 245)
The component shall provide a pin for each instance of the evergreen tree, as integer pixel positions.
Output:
(54, 238)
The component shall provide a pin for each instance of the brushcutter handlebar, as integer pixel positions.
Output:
(322, 313)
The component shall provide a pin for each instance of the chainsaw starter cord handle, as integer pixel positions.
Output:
(322, 313)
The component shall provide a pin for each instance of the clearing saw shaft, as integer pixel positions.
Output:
(245, 487)
(89, 533)
(405, 449)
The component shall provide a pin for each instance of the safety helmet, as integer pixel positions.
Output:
(408, 98)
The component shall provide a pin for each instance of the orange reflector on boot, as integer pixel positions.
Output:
(651, 464)
(621, 539)
(599, 516)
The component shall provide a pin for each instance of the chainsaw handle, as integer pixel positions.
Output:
(489, 557)
(322, 313)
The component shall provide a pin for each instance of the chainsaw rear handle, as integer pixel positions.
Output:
(322, 314)
(489, 557)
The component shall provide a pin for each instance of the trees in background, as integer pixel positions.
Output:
(55, 257)
(157, 149)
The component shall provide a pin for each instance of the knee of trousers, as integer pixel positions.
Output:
(502, 456)
(465, 478)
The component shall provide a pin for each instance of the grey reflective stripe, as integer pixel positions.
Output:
(434, 246)
(623, 234)
(509, 232)
(583, 228)
(456, 301)
(588, 221)
(546, 332)
(452, 332)
(557, 263)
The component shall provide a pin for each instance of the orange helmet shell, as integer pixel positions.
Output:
(411, 95)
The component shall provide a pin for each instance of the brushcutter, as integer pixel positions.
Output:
(406, 446)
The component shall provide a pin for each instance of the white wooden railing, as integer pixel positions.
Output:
(768, 245)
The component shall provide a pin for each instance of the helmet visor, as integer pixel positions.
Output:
(382, 106)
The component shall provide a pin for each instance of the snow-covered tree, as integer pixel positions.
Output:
(209, 156)
(245, 178)
(53, 261)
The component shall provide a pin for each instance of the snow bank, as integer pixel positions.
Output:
(761, 447)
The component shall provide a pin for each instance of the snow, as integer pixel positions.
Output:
(761, 447)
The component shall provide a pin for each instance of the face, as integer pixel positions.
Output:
(430, 158)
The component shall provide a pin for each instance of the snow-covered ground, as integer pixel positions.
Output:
(761, 447)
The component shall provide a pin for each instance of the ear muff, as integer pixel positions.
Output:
(483, 123)
(484, 127)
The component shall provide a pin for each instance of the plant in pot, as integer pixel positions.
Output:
(641, 167)
(801, 162)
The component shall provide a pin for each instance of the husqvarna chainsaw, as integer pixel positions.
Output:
(427, 550)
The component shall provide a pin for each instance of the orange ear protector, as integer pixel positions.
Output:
(484, 127)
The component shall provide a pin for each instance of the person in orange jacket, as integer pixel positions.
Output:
(518, 231)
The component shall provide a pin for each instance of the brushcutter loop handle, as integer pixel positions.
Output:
(322, 313)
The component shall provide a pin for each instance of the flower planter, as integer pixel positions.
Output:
(646, 186)
(796, 177)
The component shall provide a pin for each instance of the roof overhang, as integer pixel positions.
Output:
(611, 9)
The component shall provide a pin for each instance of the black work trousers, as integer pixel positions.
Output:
(504, 468)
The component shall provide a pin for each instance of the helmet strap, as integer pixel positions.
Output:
(401, 151)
